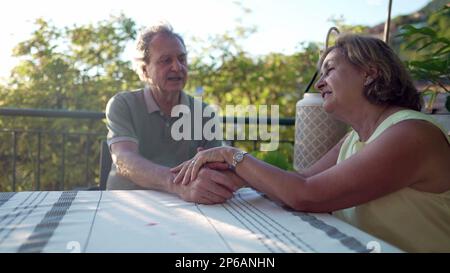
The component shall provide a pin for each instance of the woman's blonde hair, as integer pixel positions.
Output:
(393, 84)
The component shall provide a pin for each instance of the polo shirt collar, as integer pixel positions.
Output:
(151, 104)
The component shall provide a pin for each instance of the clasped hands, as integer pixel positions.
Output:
(207, 178)
(213, 158)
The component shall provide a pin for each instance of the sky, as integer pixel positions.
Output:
(281, 24)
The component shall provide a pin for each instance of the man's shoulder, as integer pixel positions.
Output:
(125, 99)
(129, 94)
(197, 100)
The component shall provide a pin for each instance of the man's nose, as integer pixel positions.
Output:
(176, 65)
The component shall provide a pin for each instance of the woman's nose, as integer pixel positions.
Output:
(319, 84)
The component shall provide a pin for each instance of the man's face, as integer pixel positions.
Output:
(167, 69)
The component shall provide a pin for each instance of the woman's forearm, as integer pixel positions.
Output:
(288, 187)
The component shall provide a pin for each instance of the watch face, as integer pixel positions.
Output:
(239, 157)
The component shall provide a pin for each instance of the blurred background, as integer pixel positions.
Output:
(72, 56)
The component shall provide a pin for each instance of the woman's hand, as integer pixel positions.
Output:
(188, 170)
(218, 166)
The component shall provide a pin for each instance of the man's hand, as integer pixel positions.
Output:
(225, 168)
(235, 179)
(210, 187)
(215, 184)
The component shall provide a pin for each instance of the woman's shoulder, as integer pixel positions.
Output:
(416, 141)
(424, 128)
(429, 148)
(414, 123)
(417, 132)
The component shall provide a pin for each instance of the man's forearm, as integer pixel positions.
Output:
(143, 172)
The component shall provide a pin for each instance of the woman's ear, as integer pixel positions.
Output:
(371, 75)
(368, 81)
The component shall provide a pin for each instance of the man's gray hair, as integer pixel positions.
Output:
(146, 37)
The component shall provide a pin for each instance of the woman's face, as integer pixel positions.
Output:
(341, 83)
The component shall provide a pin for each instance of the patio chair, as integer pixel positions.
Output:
(105, 164)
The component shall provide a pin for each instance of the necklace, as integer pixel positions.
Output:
(379, 117)
(376, 124)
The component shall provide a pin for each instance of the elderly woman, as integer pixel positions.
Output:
(389, 176)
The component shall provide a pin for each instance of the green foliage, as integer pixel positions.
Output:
(74, 68)
(282, 158)
(231, 76)
(432, 46)
(343, 27)
(339, 23)
(447, 103)
(81, 67)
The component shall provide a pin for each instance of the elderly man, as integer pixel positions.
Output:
(139, 124)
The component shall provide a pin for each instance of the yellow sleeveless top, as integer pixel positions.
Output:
(414, 221)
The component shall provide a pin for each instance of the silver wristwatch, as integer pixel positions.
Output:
(238, 157)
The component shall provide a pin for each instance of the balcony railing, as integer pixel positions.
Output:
(39, 158)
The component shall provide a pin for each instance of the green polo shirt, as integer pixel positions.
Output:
(135, 116)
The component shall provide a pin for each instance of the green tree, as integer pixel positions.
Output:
(74, 68)
(81, 67)
(231, 76)
(431, 46)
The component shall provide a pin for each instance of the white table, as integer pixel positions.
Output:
(150, 221)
